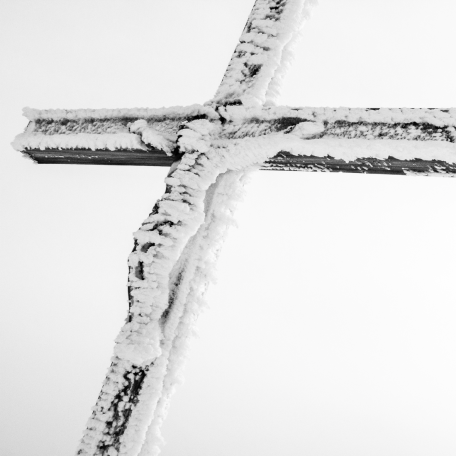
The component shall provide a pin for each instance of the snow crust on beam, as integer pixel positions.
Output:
(300, 142)
(261, 58)
(133, 113)
(141, 136)
(433, 116)
(128, 141)
(153, 137)
(353, 149)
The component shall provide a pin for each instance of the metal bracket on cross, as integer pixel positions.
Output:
(211, 147)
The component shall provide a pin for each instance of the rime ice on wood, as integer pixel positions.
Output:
(212, 148)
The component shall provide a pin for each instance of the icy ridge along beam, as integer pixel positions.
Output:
(237, 121)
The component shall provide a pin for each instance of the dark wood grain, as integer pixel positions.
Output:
(137, 157)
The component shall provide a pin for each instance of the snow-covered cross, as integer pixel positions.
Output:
(210, 149)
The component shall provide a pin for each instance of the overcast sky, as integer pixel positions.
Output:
(331, 330)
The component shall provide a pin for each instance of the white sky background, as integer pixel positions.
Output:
(331, 330)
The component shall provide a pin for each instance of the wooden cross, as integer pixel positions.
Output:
(208, 147)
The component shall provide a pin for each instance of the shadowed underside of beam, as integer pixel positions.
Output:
(135, 157)
(283, 161)
(287, 162)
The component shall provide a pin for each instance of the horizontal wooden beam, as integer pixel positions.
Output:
(372, 141)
